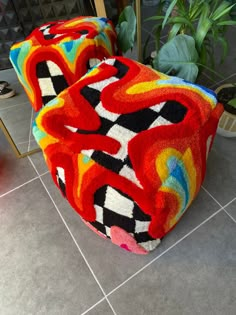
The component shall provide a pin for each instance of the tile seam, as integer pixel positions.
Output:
(166, 251)
(18, 187)
(74, 240)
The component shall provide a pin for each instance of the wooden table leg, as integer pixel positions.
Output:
(100, 8)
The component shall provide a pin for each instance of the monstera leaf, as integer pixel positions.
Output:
(126, 29)
(179, 57)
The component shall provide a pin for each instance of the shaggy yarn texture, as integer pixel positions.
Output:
(57, 54)
(127, 146)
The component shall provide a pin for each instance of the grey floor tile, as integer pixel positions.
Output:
(196, 277)
(33, 144)
(111, 264)
(18, 121)
(201, 209)
(41, 270)
(27, 146)
(13, 171)
(8, 75)
(220, 178)
(22, 146)
(227, 79)
(102, 308)
(231, 209)
(39, 162)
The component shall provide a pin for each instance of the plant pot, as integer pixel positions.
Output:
(227, 123)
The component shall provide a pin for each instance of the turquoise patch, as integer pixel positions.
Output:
(38, 134)
(70, 48)
(53, 102)
(14, 58)
(86, 159)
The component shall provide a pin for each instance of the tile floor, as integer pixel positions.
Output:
(51, 263)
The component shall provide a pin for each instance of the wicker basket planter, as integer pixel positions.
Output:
(227, 123)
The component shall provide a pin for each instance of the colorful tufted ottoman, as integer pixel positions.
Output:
(57, 54)
(127, 146)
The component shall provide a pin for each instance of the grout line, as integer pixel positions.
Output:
(31, 120)
(44, 173)
(211, 196)
(166, 251)
(227, 204)
(77, 245)
(209, 78)
(164, 36)
(149, 33)
(231, 217)
(232, 75)
(92, 307)
(216, 200)
(8, 192)
(73, 238)
(23, 142)
(11, 106)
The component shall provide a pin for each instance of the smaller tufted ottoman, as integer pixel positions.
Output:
(127, 146)
(57, 54)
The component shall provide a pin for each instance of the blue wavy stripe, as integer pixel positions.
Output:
(179, 175)
(177, 81)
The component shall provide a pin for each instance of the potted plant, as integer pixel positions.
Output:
(126, 29)
(227, 96)
(194, 30)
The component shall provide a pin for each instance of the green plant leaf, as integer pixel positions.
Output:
(195, 9)
(223, 9)
(203, 27)
(215, 5)
(126, 29)
(158, 37)
(227, 23)
(178, 55)
(181, 20)
(169, 11)
(155, 18)
(174, 31)
(232, 102)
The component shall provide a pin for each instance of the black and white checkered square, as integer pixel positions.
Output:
(124, 127)
(45, 29)
(60, 174)
(114, 208)
(51, 80)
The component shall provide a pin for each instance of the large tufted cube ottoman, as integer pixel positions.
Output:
(57, 54)
(127, 146)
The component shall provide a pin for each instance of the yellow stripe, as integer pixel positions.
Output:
(82, 169)
(161, 162)
(45, 110)
(173, 220)
(190, 172)
(143, 87)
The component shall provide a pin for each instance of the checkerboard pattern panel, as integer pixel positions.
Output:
(124, 127)
(51, 80)
(123, 213)
(45, 29)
